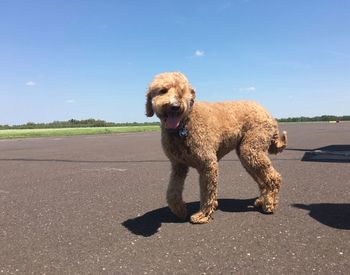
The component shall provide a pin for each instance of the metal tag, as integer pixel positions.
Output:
(183, 132)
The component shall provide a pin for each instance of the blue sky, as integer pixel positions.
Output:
(95, 59)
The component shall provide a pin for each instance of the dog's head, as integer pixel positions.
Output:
(170, 96)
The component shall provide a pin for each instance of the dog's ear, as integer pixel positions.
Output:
(149, 108)
(193, 93)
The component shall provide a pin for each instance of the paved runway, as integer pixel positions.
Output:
(96, 204)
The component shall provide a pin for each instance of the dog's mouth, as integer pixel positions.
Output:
(172, 120)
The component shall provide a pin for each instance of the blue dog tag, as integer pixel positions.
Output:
(183, 132)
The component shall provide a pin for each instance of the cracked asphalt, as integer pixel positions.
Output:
(96, 205)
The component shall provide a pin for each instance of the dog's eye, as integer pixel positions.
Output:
(162, 92)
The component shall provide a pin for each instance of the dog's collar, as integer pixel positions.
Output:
(180, 131)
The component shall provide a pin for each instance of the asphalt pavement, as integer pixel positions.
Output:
(96, 205)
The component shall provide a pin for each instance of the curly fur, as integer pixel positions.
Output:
(214, 129)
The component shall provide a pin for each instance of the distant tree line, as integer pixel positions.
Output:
(316, 118)
(74, 123)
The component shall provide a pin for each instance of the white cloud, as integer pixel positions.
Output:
(70, 101)
(248, 89)
(199, 53)
(30, 83)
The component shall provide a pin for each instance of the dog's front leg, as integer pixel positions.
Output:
(175, 188)
(208, 180)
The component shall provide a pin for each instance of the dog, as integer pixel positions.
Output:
(198, 134)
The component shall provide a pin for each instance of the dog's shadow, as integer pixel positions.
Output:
(336, 215)
(149, 223)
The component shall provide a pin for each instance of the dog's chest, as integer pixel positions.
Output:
(179, 149)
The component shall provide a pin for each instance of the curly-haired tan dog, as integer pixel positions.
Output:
(199, 134)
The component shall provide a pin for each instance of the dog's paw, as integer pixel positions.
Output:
(179, 210)
(200, 218)
(259, 202)
(268, 205)
(268, 208)
(216, 205)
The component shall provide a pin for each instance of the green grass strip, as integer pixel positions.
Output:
(30, 133)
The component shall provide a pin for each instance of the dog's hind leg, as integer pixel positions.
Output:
(259, 201)
(175, 189)
(208, 179)
(253, 155)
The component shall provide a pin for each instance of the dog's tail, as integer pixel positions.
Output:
(278, 143)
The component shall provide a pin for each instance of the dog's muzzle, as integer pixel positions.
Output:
(173, 116)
